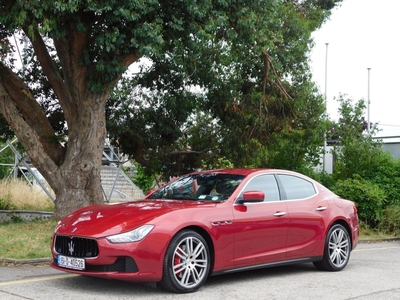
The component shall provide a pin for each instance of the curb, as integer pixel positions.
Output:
(7, 216)
(373, 241)
(9, 262)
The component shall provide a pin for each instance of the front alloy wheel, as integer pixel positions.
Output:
(337, 250)
(186, 264)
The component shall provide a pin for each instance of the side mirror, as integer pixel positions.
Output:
(251, 197)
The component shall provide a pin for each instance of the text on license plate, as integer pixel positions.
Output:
(71, 262)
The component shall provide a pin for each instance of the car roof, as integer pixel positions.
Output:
(238, 171)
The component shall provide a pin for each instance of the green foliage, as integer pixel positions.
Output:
(363, 170)
(4, 160)
(357, 152)
(368, 197)
(143, 180)
(6, 203)
(4, 170)
(239, 87)
(385, 172)
(391, 220)
(220, 163)
(121, 28)
(322, 177)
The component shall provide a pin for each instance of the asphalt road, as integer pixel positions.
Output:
(373, 273)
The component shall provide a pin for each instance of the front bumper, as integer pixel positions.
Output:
(138, 261)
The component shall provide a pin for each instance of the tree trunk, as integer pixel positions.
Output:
(79, 185)
(75, 175)
(79, 180)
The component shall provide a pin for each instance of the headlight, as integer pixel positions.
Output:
(131, 236)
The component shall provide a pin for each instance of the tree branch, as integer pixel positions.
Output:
(26, 135)
(30, 111)
(52, 73)
(267, 66)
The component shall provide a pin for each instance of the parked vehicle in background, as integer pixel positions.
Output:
(209, 223)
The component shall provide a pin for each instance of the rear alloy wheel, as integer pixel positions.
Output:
(337, 250)
(186, 263)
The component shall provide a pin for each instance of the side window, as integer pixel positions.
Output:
(296, 187)
(267, 184)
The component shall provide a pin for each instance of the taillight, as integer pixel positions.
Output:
(355, 208)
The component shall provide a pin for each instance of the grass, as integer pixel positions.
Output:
(18, 194)
(26, 240)
(374, 234)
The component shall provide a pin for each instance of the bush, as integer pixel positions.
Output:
(368, 197)
(138, 175)
(323, 177)
(387, 175)
(6, 203)
(363, 171)
(391, 220)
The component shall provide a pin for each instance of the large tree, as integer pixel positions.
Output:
(244, 93)
(83, 47)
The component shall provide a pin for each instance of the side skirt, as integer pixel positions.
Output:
(269, 265)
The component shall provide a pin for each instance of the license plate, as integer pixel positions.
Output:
(71, 262)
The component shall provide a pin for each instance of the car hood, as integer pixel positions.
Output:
(107, 219)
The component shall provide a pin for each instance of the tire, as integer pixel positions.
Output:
(337, 250)
(186, 263)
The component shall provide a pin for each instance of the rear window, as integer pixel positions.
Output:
(296, 187)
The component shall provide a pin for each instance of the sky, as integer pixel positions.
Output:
(361, 34)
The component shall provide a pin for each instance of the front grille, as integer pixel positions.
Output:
(123, 264)
(76, 246)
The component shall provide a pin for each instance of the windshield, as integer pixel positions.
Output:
(200, 187)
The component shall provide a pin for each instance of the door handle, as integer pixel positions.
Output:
(279, 214)
(321, 208)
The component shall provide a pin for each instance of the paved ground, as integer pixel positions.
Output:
(372, 274)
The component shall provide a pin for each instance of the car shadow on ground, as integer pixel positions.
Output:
(262, 273)
(123, 288)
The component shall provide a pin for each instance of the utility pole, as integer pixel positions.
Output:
(369, 103)
(326, 104)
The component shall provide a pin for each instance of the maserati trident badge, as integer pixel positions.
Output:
(71, 247)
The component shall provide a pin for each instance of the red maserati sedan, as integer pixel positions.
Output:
(209, 223)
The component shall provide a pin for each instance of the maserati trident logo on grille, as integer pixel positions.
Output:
(71, 246)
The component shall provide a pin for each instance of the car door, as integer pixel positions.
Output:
(260, 228)
(306, 212)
